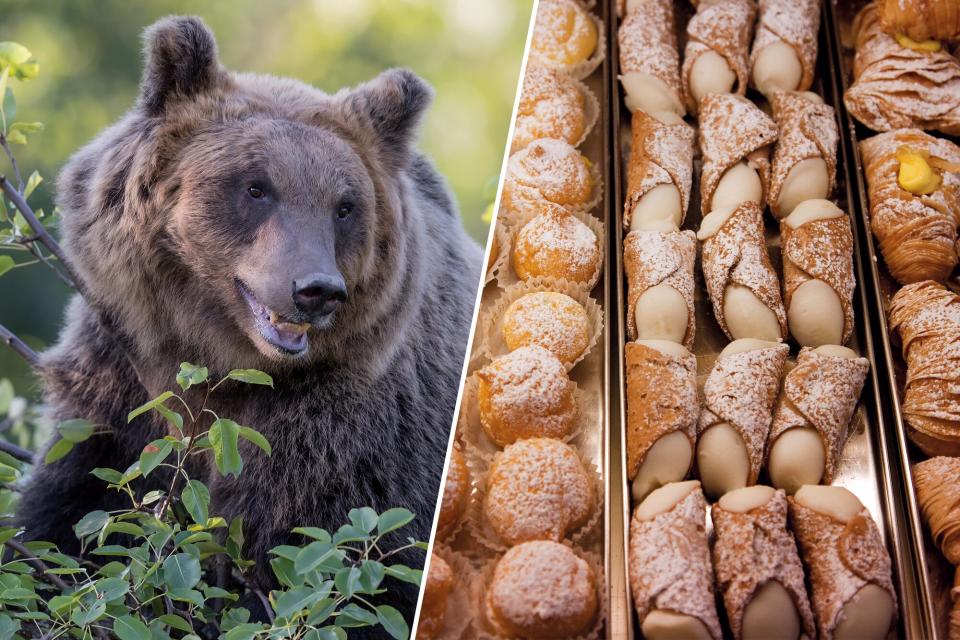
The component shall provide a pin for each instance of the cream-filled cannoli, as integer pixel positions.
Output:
(738, 401)
(817, 248)
(715, 59)
(811, 424)
(758, 568)
(671, 576)
(805, 157)
(847, 565)
(740, 278)
(735, 139)
(659, 270)
(784, 50)
(662, 410)
(659, 171)
(649, 61)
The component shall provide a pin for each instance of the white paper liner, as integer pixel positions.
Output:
(459, 612)
(479, 449)
(508, 275)
(491, 319)
(501, 261)
(485, 534)
(583, 69)
(484, 630)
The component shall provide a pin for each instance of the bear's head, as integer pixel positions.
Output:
(242, 219)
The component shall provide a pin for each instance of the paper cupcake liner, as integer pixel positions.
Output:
(508, 276)
(491, 319)
(579, 70)
(461, 523)
(514, 214)
(485, 630)
(591, 110)
(459, 612)
(504, 245)
(479, 449)
(487, 536)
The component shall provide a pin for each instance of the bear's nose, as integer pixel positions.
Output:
(319, 294)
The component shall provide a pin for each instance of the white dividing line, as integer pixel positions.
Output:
(476, 312)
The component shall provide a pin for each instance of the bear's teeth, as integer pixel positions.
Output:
(293, 328)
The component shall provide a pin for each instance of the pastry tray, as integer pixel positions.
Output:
(591, 374)
(932, 574)
(871, 465)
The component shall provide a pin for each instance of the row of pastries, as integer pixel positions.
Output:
(799, 558)
(522, 493)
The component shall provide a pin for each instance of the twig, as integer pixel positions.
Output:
(19, 346)
(13, 161)
(43, 236)
(37, 564)
(19, 453)
(257, 592)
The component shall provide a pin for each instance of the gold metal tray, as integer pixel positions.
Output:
(868, 465)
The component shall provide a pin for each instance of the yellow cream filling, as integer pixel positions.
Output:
(931, 46)
(916, 175)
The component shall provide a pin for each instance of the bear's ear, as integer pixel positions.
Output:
(181, 62)
(391, 105)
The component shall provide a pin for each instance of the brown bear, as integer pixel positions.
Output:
(246, 221)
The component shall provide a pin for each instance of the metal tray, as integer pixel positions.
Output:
(869, 466)
(591, 374)
(932, 574)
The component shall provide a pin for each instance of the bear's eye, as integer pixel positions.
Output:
(255, 192)
(344, 210)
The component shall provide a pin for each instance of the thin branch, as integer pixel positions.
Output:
(19, 346)
(19, 453)
(37, 564)
(13, 161)
(39, 230)
(257, 592)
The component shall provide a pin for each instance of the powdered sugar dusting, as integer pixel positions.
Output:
(937, 481)
(558, 245)
(547, 170)
(648, 44)
(551, 320)
(732, 129)
(670, 566)
(552, 105)
(722, 26)
(538, 489)
(821, 392)
(741, 390)
(660, 154)
(563, 34)
(753, 548)
(794, 22)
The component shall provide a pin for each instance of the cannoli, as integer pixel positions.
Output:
(914, 202)
(817, 248)
(659, 269)
(738, 400)
(926, 316)
(740, 279)
(811, 424)
(937, 483)
(735, 139)
(847, 565)
(805, 158)
(671, 576)
(921, 20)
(649, 62)
(897, 86)
(716, 55)
(784, 50)
(758, 568)
(662, 410)
(659, 172)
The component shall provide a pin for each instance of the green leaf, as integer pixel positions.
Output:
(129, 627)
(107, 475)
(29, 127)
(371, 575)
(8, 626)
(234, 542)
(16, 137)
(392, 621)
(393, 519)
(160, 399)
(6, 263)
(110, 589)
(181, 571)
(251, 376)
(111, 550)
(13, 54)
(176, 622)
(7, 474)
(256, 438)
(91, 523)
(290, 602)
(312, 555)
(170, 416)
(349, 533)
(6, 394)
(347, 581)
(153, 455)
(191, 374)
(405, 573)
(314, 532)
(123, 527)
(245, 631)
(196, 499)
(332, 632)
(192, 596)
(84, 616)
(364, 518)
(353, 615)
(76, 430)
(223, 439)
(9, 105)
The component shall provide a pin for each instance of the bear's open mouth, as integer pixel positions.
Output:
(286, 336)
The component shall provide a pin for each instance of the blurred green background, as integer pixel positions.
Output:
(90, 64)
